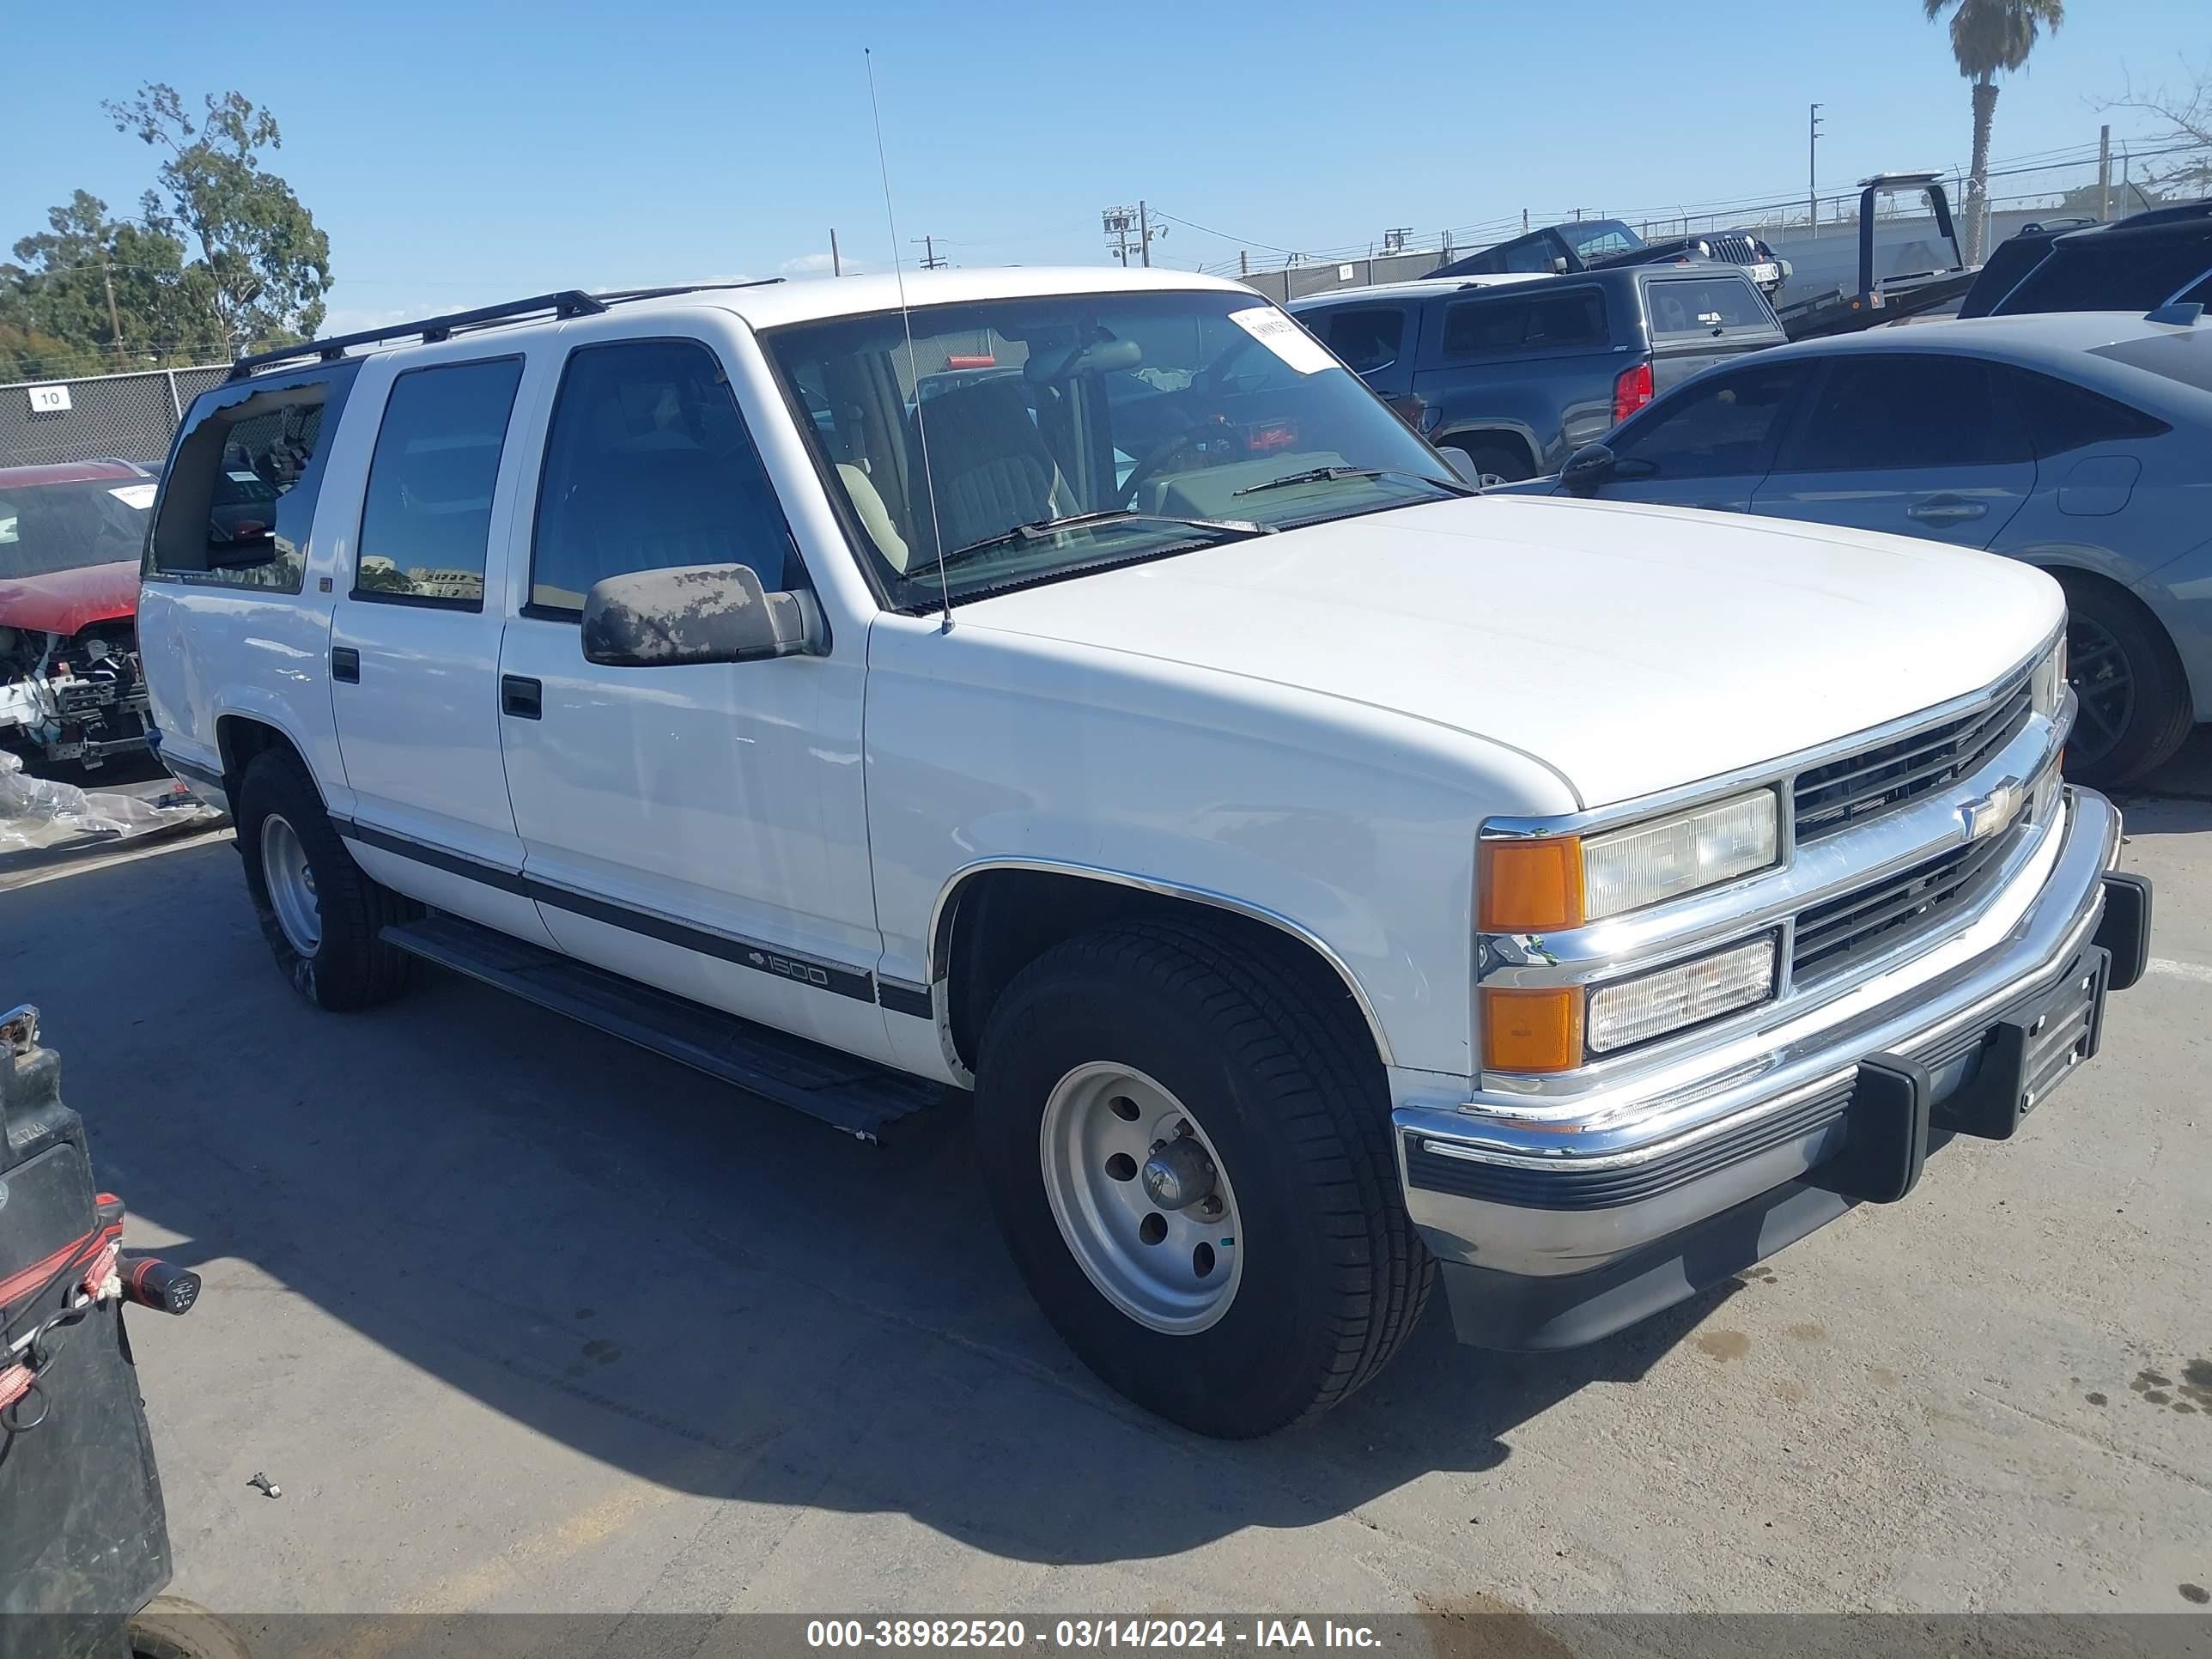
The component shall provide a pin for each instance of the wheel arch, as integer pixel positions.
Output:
(240, 736)
(996, 916)
(1502, 434)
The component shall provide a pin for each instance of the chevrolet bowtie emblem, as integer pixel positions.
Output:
(1987, 814)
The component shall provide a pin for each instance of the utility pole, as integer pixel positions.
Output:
(1812, 168)
(931, 259)
(1395, 238)
(836, 268)
(2103, 174)
(1143, 234)
(1118, 222)
(114, 324)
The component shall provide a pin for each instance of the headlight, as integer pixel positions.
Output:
(1549, 882)
(1632, 1011)
(2047, 688)
(1665, 858)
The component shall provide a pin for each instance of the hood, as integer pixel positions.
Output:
(64, 601)
(1631, 648)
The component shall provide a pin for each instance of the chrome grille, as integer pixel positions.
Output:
(1844, 792)
(1735, 248)
(1844, 932)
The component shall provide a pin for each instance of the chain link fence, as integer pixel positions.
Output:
(128, 417)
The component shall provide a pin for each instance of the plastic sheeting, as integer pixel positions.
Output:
(39, 813)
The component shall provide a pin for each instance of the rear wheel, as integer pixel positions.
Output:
(2132, 697)
(1496, 463)
(170, 1627)
(1187, 1150)
(320, 912)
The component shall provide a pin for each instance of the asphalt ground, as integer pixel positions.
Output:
(522, 1321)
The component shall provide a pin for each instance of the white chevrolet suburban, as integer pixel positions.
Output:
(1076, 689)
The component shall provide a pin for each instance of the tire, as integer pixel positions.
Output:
(171, 1627)
(1329, 1275)
(2134, 708)
(348, 967)
(1497, 463)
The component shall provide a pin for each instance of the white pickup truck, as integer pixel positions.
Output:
(1075, 688)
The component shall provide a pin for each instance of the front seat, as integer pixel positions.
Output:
(991, 466)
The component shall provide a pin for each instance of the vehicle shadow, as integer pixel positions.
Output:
(2178, 797)
(704, 1290)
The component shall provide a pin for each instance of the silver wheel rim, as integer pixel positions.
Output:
(291, 885)
(1172, 1269)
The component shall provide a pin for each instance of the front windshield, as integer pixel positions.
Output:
(1172, 417)
(67, 527)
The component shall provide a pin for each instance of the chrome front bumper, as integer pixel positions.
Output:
(1553, 1232)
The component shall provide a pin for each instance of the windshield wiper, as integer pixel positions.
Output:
(1045, 529)
(1330, 474)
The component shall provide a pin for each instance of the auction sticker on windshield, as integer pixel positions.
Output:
(1276, 332)
(138, 496)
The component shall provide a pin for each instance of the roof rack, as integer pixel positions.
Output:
(563, 305)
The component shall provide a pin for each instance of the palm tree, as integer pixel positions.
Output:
(1989, 38)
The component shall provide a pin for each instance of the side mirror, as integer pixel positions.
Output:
(1469, 470)
(1559, 265)
(1588, 468)
(703, 613)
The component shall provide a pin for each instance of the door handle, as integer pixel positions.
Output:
(345, 664)
(1946, 509)
(524, 699)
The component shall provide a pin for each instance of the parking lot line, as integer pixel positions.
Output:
(2195, 970)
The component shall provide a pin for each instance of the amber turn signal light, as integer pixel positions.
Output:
(1532, 1030)
(1530, 886)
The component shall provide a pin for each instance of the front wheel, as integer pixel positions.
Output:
(170, 1627)
(1189, 1153)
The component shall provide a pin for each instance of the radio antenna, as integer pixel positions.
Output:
(906, 319)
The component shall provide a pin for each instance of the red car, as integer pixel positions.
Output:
(71, 537)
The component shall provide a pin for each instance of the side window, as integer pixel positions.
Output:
(1699, 305)
(1533, 256)
(240, 498)
(426, 518)
(1546, 322)
(1721, 428)
(1877, 412)
(2062, 418)
(648, 466)
(1367, 338)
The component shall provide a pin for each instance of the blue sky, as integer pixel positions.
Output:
(458, 152)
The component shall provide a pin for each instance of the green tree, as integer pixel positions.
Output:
(1989, 38)
(265, 264)
(103, 295)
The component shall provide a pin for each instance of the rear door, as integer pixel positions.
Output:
(414, 654)
(1701, 320)
(1375, 343)
(1710, 444)
(1914, 443)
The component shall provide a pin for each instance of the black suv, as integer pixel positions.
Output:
(1519, 371)
(1602, 244)
(2162, 257)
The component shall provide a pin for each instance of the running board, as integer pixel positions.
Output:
(856, 1097)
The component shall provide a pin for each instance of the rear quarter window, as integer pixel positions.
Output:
(1551, 321)
(1700, 305)
(2184, 359)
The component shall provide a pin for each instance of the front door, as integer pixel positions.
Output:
(1913, 443)
(702, 828)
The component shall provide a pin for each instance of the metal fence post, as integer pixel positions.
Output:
(176, 405)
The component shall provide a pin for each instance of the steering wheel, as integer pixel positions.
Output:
(1147, 470)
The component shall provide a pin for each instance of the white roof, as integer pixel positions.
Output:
(1419, 286)
(815, 298)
